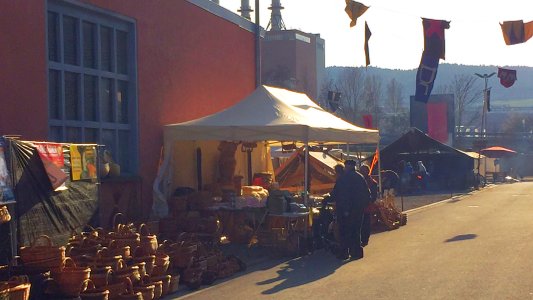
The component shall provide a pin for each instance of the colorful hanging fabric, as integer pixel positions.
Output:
(368, 34)
(507, 77)
(354, 11)
(434, 36)
(367, 120)
(516, 32)
(425, 76)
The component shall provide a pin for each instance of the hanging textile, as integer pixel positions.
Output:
(6, 193)
(433, 50)
(434, 36)
(507, 77)
(354, 11)
(53, 160)
(368, 34)
(41, 210)
(516, 32)
(425, 77)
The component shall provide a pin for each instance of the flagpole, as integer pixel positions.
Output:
(482, 134)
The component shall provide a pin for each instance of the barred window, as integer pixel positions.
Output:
(91, 79)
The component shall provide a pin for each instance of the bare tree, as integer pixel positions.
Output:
(394, 96)
(371, 97)
(350, 84)
(467, 92)
(396, 120)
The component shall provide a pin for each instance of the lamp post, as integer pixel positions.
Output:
(482, 134)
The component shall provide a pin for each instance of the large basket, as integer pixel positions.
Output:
(165, 280)
(130, 294)
(70, 279)
(17, 288)
(146, 288)
(44, 255)
(148, 242)
(94, 293)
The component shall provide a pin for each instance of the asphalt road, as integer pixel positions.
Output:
(478, 246)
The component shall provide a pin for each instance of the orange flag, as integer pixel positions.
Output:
(354, 10)
(374, 161)
(516, 32)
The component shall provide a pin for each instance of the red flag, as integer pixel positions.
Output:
(374, 161)
(507, 77)
(367, 119)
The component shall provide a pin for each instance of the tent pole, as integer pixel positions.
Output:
(306, 173)
(378, 153)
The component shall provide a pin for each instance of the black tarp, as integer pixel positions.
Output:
(40, 210)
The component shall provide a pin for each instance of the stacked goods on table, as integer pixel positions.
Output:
(252, 196)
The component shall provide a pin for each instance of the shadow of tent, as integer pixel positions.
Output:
(301, 271)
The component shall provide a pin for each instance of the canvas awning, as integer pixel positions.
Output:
(272, 114)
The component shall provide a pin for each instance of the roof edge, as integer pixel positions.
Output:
(227, 15)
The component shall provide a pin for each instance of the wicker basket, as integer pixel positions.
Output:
(174, 283)
(124, 272)
(148, 242)
(130, 294)
(94, 293)
(165, 283)
(100, 276)
(42, 255)
(146, 287)
(116, 289)
(17, 288)
(71, 279)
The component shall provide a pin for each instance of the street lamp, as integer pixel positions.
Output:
(485, 99)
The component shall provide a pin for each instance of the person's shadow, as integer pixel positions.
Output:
(303, 270)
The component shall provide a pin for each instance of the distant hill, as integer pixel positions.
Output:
(520, 95)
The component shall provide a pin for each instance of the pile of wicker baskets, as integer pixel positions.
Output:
(127, 262)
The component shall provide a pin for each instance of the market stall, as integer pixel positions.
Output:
(269, 115)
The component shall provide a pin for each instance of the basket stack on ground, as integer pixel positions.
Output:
(192, 236)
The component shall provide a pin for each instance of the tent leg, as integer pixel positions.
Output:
(306, 173)
(249, 162)
(379, 170)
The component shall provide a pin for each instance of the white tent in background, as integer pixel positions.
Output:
(268, 114)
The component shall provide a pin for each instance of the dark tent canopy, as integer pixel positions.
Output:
(448, 167)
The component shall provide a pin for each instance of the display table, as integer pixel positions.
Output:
(239, 224)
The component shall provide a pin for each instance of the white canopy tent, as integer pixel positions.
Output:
(268, 114)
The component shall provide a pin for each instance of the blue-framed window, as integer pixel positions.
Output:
(92, 79)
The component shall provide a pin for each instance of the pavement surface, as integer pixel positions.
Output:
(475, 246)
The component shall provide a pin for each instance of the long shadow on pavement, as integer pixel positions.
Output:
(303, 270)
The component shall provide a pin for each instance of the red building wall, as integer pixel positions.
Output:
(190, 63)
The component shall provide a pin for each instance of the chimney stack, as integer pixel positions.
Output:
(245, 9)
(276, 21)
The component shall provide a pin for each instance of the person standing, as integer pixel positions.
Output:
(370, 209)
(351, 195)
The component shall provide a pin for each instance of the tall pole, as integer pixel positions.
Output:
(257, 46)
(482, 134)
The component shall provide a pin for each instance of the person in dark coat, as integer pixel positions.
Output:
(370, 209)
(351, 195)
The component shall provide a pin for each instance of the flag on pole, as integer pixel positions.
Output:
(374, 161)
(354, 11)
(368, 34)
